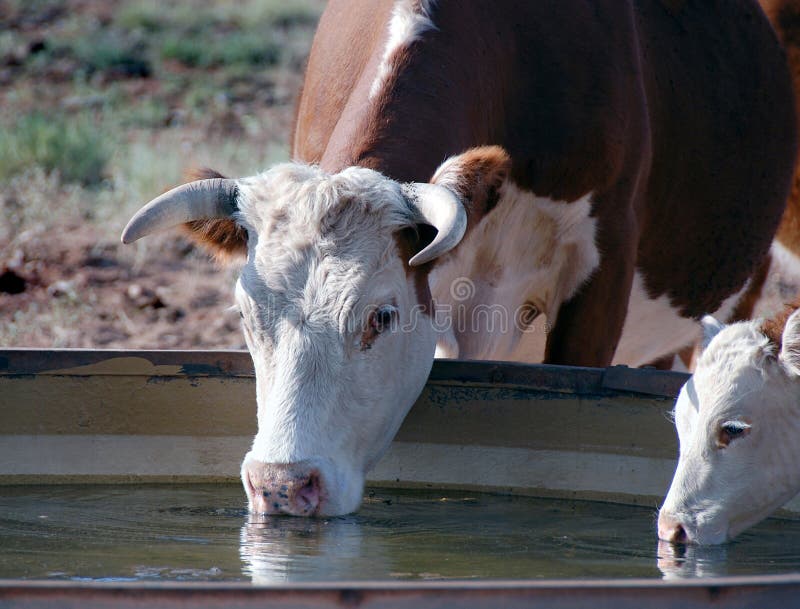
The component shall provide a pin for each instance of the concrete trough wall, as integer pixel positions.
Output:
(138, 416)
(75, 416)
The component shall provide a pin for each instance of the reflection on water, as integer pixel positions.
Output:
(279, 550)
(430, 536)
(203, 532)
(771, 547)
(678, 561)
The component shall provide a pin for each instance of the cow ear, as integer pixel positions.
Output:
(711, 327)
(223, 238)
(790, 348)
(476, 177)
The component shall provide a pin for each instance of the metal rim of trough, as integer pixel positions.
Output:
(730, 592)
(77, 362)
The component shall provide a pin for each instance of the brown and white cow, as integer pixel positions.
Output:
(738, 422)
(777, 279)
(616, 168)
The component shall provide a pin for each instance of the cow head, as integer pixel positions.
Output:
(335, 310)
(738, 424)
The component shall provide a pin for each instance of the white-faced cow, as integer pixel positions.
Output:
(738, 421)
(616, 167)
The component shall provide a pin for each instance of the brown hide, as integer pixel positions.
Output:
(785, 17)
(678, 116)
(773, 328)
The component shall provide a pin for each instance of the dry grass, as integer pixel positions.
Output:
(95, 120)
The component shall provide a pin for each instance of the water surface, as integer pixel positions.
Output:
(203, 533)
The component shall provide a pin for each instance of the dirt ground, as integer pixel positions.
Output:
(104, 104)
(65, 279)
(72, 289)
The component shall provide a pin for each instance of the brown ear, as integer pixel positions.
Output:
(222, 237)
(476, 176)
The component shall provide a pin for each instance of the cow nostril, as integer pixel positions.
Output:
(679, 535)
(670, 529)
(308, 495)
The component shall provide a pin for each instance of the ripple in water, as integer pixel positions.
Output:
(204, 533)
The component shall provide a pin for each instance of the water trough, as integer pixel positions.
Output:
(178, 417)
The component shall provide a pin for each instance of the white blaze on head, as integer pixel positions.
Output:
(336, 314)
(738, 427)
(332, 319)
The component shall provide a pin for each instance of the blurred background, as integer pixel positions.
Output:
(105, 104)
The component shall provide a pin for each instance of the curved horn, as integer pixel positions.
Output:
(441, 208)
(213, 198)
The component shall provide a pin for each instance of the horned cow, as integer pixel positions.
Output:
(600, 172)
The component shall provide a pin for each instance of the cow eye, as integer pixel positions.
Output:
(383, 318)
(731, 430)
(380, 320)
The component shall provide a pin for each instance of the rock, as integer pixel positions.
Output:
(174, 314)
(62, 288)
(17, 260)
(37, 45)
(11, 282)
(109, 334)
(144, 298)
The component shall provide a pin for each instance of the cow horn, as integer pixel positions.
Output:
(441, 208)
(212, 198)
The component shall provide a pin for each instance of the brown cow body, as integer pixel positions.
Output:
(617, 166)
(675, 117)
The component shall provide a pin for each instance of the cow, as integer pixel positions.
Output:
(600, 173)
(738, 420)
(777, 279)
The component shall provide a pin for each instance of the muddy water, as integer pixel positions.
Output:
(202, 533)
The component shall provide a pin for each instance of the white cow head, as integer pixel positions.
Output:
(336, 312)
(738, 422)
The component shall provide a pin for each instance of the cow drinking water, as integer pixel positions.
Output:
(610, 169)
(738, 422)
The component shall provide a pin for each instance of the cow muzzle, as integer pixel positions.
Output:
(671, 529)
(283, 488)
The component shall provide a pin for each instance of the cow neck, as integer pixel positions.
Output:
(405, 131)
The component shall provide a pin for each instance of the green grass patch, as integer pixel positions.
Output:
(111, 52)
(147, 16)
(72, 145)
(283, 13)
(221, 51)
(150, 113)
(200, 15)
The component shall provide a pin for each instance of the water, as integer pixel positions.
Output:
(203, 533)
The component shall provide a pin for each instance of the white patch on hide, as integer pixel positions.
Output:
(531, 249)
(410, 19)
(654, 327)
(528, 249)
